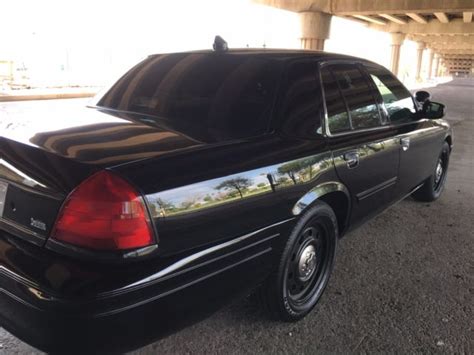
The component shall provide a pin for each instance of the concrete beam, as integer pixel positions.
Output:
(441, 16)
(368, 7)
(394, 18)
(417, 18)
(450, 40)
(455, 52)
(457, 56)
(467, 16)
(449, 47)
(371, 7)
(456, 26)
(371, 19)
(298, 5)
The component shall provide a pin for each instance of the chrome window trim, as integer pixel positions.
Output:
(325, 124)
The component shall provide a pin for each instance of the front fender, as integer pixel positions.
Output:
(311, 196)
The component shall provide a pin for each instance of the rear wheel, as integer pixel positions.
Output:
(305, 266)
(433, 187)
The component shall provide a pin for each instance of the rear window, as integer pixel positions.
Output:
(208, 96)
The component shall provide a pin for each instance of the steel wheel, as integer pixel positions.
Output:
(440, 171)
(304, 267)
(434, 185)
(308, 258)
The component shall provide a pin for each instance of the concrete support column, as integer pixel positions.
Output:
(419, 60)
(436, 67)
(430, 63)
(397, 41)
(314, 29)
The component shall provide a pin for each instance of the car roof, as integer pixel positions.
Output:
(279, 54)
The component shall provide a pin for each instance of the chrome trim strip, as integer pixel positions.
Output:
(123, 290)
(21, 232)
(377, 188)
(19, 300)
(16, 277)
(164, 294)
(192, 258)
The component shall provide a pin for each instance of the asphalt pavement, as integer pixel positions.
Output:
(403, 282)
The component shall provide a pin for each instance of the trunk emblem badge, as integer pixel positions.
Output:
(38, 224)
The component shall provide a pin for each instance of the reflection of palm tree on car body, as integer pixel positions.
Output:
(239, 184)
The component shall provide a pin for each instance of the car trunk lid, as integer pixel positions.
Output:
(45, 155)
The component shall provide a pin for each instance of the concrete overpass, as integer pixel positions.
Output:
(443, 28)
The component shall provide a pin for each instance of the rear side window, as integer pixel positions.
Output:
(210, 97)
(300, 100)
(338, 118)
(358, 95)
(396, 97)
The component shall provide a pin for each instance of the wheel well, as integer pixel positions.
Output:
(339, 203)
(450, 141)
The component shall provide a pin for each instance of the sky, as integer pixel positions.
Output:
(93, 42)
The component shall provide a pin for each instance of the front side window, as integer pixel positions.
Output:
(396, 97)
(210, 97)
(358, 95)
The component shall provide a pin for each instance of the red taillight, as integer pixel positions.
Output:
(104, 212)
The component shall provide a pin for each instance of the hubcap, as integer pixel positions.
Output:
(439, 171)
(307, 263)
(308, 257)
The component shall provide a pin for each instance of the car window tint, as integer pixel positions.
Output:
(338, 118)
(358, 94)
(396, 97)
(209, 97)
(301, 99)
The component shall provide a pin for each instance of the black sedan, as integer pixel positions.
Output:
(199, 177)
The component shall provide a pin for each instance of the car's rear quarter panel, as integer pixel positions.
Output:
(196, 205)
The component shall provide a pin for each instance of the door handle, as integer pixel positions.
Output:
(405, 142)
(352, 159)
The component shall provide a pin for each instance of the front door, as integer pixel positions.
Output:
(420, 139)
(365, 151)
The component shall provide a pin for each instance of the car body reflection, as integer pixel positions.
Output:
(237, 187)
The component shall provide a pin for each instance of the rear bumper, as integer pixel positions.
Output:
(122, 318)
(61, 326)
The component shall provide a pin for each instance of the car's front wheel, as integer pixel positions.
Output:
(433, 187)
(305, 265)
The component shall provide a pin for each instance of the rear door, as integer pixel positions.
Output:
(420, 139)
(366, 154)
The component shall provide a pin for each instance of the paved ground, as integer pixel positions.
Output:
(404, 282)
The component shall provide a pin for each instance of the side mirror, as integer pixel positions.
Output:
(422, 96)
(433, 110)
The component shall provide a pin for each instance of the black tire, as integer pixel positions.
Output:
(433, 187)
(299, 280)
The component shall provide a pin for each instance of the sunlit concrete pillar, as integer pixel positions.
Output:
(442, 68)
(430, 63)
(314, 29)
(397, 41)
(436, 65)
(419, 59)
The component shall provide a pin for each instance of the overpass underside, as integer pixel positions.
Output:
(442, 28)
